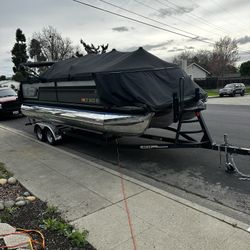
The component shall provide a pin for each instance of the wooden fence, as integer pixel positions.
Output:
(215, 82)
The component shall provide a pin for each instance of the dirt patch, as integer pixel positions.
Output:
(11, 192)
(32, 216)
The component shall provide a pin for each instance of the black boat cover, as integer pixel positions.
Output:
(126, 78)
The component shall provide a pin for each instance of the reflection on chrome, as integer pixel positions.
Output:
(114, 123)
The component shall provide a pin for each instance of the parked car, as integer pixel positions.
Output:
(9, 103)
(232, 89)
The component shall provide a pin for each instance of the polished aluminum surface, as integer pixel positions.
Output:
(114, 123)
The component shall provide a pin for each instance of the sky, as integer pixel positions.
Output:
(206, 20)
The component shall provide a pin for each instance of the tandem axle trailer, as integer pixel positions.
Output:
(181, 138)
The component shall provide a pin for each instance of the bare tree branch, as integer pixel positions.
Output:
(92, 49)
(53, 46)
(225, 55)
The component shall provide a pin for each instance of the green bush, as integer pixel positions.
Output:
(3, 172)
(77, 238)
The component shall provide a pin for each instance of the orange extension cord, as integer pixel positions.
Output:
(32, 243)
(125, 198)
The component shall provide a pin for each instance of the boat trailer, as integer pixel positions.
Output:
(182, 138)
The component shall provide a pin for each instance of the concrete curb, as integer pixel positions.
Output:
(211, 97)
(217, 96)
(204, 210)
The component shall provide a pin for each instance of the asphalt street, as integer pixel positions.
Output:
(195, 174)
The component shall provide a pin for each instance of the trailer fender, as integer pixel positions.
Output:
(52, 128)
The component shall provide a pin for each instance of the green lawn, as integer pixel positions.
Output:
(212, 92)
(215, 92)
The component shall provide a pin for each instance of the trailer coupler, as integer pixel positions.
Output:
(230, 164)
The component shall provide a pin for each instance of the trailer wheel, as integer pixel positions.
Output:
(39, 133)
(49, 137)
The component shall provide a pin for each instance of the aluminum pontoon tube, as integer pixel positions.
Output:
(114, 123)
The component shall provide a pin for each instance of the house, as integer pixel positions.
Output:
(196, 71)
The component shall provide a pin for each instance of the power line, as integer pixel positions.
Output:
(196, 16)
(242, 51)
(141, 22)
(227, 11)
(148, 18)
(230, 13)
(174, 9)
(147, 24)
(152, 8)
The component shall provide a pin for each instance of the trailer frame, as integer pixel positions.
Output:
(182, 139)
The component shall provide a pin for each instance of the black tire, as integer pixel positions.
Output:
(39, 132)
(233, 94)
(221, 95)
(242, 93)
(49, 137)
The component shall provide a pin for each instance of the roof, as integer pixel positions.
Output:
(114, 61)
(198, 66)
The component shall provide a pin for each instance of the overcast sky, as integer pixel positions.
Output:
(208, 19)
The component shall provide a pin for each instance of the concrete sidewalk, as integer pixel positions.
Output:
(90, 197)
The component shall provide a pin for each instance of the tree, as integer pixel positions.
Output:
(19, 76)
(201, 57)
(245, 68)
(52, 45)
(78, 52)
(2, 77)
(91, 49)
(19, 55)
(185, 55)
(225, 54)
(35, 51)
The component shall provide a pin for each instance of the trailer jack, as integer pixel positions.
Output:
(229, 160)
(230, 164)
